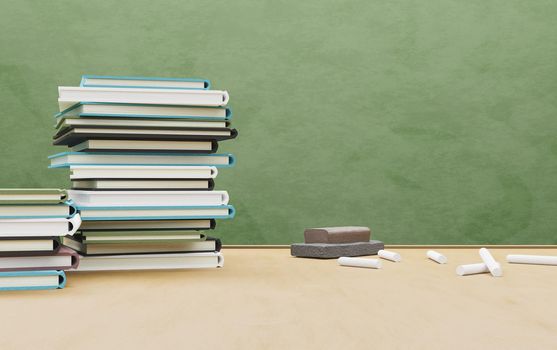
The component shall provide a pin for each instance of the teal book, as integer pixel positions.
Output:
(114, 81)
(32, 280)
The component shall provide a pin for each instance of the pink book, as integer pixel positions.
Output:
(64, 259)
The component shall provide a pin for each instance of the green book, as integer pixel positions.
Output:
(208, 245)
(32, 196)
(138, 236)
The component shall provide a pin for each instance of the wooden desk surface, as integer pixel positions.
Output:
(265, 299)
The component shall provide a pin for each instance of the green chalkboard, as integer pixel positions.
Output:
(430, 121)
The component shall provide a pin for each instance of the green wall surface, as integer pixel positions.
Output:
(428, 121)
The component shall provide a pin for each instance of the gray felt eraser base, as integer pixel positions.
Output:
(329, 251)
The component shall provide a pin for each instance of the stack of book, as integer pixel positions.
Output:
(31, 223)
(142, 164)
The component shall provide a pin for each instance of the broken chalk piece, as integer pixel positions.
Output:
(359, 262)
(493, 266)
(532, 259)
(471, 269)
(385, 254)
(437, 257)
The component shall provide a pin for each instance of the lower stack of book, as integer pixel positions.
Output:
(32, 222)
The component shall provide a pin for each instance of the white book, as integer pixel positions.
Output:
(27, 245)
(70, 95)
(141, 172)
(109, 184)
(147, 198)
(67, 159)
(151, 261)
(198, 224)
(144, 145)
(39, 227)
(40, 262)
(53, 210)
(122, 81)
(139, 123)
(148, 213)
(138, 111)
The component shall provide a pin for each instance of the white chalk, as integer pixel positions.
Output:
(385, 254)
(493, 266)
(471, 269)
(437, 257)
(532, 259)
(359, 262)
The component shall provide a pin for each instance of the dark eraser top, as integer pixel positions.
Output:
(344, 234)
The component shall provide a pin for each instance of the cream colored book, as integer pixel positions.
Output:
(78, 172)
(145, 145)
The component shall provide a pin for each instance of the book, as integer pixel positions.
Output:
(20, 210)
(182, 246)
(127, 225)
(43, 227)
(64, 124)
(346, 234)
(156, 213)
(67, 159)
(75, 135)
(69, 95)
(63, 259)
(143, 82)
(27, 246)
(32, 195)
(146, 172)
(139, 184)
(143, 111)
(146, 145)
(150, 261)
(141, 236)
(32, 280)
(147, 198)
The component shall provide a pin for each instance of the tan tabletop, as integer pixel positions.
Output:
(265, 299)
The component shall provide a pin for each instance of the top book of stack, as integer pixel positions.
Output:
(145, 91)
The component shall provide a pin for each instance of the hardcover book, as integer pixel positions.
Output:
(144, 111)
(148, 198)
(32, 280)
(63, 259)
(67, 159)
(115, 171)
(174, 246)
(43, 227)
(32, 196)
(143, 82)
(150, 261)
(75, 135)
(28, 246)
(69, 95)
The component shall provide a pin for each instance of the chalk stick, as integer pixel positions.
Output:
(344, 234)
(532, 259)
(437, 257)
(471, 269)
(493, 266)
(328, 251)
(386, 254)
(359, 262)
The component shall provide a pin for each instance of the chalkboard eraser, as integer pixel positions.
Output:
(343, 234)
(335, 250)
